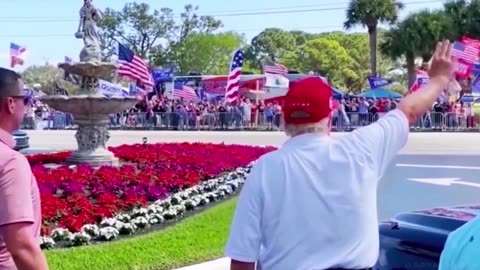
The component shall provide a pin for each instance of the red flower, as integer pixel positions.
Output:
(74, 197)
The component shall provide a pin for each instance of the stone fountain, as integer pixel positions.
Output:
(91, 109)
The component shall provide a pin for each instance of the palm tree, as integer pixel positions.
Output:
(464, 18)
(415, 36)
(369, 13)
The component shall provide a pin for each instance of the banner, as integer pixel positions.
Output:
(163, 75)
(376, 82)
(110, 89)
(421, 79)
(275, 80)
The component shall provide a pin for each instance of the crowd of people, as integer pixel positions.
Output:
(162, 113)
(159, 112)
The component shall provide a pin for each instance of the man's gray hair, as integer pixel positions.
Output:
(299, 129)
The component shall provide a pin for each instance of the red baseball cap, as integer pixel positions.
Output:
(307, 101)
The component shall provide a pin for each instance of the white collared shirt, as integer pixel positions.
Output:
(312, 204)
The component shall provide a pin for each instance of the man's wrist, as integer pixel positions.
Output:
(440, 81)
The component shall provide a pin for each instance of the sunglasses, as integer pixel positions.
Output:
(26, 99)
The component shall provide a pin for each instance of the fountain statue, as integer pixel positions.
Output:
(91, 109)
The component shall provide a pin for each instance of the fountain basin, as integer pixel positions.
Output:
(91, 114)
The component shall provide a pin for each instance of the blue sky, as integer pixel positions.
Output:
(46, 27)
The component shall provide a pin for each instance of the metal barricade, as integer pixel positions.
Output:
(232, 120)
(263, 121)
(343, 121)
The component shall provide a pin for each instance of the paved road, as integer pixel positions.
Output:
(429, 157)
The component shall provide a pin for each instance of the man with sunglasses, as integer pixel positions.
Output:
(20, 212)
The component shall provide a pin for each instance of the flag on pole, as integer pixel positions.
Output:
(465, 52)
(137, 91)
(376, 82)
(180, 90)
(234, 75)
(16, 52)
(133, 66)
(275, 76)
(275, 69)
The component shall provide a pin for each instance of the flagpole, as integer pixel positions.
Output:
(257, 86)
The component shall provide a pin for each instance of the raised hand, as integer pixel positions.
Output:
(442, 63)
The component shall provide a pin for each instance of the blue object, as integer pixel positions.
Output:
(462, 248)
(380, 93)
(337, 94)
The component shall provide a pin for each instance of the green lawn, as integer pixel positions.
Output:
(199, 238)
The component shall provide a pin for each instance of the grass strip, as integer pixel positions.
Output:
(196, 239)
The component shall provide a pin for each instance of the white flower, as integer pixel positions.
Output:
(156, 219)
(91, 229)
(140, 212)
(60, 234)
(127, 228)
(118, 225)
(155, 208)
(189, 204)
(180, 209)
(123, 218)
(165, 203)
(108, 222)
(109, 233)
(141, 222)
(46, 242)
(176, 199)
(170, 214)
(80, 239)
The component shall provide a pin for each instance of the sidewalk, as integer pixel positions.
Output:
(219, 264)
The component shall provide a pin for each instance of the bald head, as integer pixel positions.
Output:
(9, 83)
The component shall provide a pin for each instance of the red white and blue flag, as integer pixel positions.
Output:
(234, 75)
(16, 54)
(135, 91)
(421, 79)
(132, 66)
(181, 90)
(275, 69)
(465, 52)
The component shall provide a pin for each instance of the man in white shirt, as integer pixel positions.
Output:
(311, 205)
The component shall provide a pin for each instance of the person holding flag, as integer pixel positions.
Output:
(312, 204)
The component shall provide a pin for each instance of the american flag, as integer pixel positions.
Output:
(132, 66)
(233, 81)
(275, 69)
(180, 90)
(136, 91)
(465, 52)
(16, 52)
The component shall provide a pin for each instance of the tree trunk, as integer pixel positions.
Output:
(372, 34)
(411, 74)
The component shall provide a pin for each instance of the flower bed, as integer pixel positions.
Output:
(157, 183)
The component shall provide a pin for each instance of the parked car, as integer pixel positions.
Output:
(21, 139)
(415, 240)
